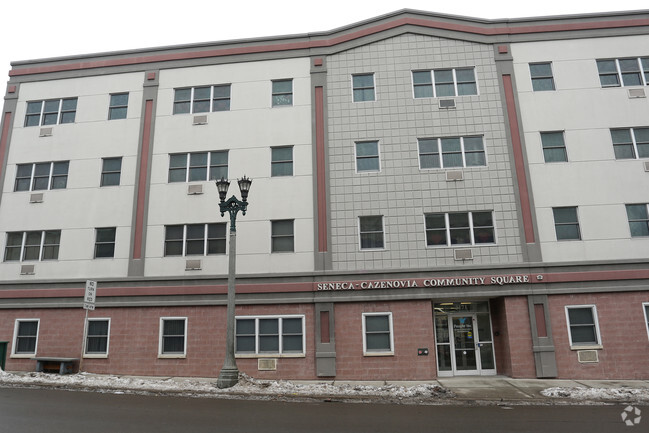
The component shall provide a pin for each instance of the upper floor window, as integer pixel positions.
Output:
(41, 176)
(51, 112)
(363, 87)
(459, 228)
(111, 171)
(367, 156)
(282, 236)
(626, 72)
(371, 232)
(451, 152)
(554, 147)
(118, 106)
(444, 82)
(282, 335)
(566, 223)
(282, 93)
(630, 143)
(281, 161)
(638, 215)
(202, 99)
(542, 78)
(195, 239)
(105, 242)
(198, 166)
(33, 245)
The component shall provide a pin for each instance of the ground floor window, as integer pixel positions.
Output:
(582, 325)
(97, 337)
(270, 335)
(25, 337)
(173, 336)
(378, 337)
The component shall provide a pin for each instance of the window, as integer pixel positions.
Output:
(638, 219)
(282, 93)
(582, 325)
(645, 307)
(281, 161)
(262, 335)
(111, 170)
(105, 242)
(444, 82)
(97, 337)
(367, 156)
(202, 99)
(363, 87)
(198, 166)
(282, 236)
(51, 112)
(173, 336)
(118, 106)
(34, 245)
(566, 223)
(542, 78)
(454, 151)
(41, 176)
(25, 337)
(191, 239)
(371, 232)
(627, 72)
(630, 143)
(554, 148)
(459, 228)
(377, 334)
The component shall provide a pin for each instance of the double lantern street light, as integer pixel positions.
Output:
(229, 375)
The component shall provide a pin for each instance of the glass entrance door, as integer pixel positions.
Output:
(464, 345)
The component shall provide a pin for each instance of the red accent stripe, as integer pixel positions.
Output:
(464, 28)
(320, 166)
(4, 138)
(517, 148)
(141, 184)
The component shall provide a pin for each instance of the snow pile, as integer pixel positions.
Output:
(601, 394)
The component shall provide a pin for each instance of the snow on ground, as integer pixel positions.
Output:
(601, 394)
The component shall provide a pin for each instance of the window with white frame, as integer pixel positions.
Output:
(118, 106)
(554, 147)
(566, 223)
(645, 308)
(638, 215)
(363, 87)
(198, 166)
(25, 337)
(378, 337)
(32, 245)
(282, 93)
(630, 143)
(51, 112)
(632, 71)
(542, 79)
(439, 83)
(367, 156)
(371, 232)
(105, 242)
(270, 335)
(459, 228)
(41, 176)
(282, 236)
(451, 152)
(281, 163)
(173, 336)
(583, 328)
(111, 171)
(202, 99)
(195, 239)
(97, 337)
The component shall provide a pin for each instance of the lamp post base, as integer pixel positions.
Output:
(228, 377)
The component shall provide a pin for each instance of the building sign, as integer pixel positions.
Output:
(490, 280)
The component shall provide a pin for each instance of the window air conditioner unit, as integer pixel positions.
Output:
(193, 189)
(36, 198)
(193, 265)
(446, 103)
(587, 356)
(454, 175)
(27, 270)
(200, 120)
(463, 254)
(637, 93)
(45, 132)
(267, 364)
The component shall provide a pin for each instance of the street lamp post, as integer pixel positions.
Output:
(229, 375)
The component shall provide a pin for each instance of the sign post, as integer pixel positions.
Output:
(88, 304)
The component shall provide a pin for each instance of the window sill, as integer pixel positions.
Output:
(172, 356)
(22, 355)
(95, 356)
(269, 355)
(587, 347)
(390, 353)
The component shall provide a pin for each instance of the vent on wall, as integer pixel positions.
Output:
(192, 265)
(200, 120)
(646, 166)
(27, 270)
(45, 132)
(36, 197)
(267, 364)
(446, 103)
(463, 254)
(587, 356)
(454, 175)
(637, 93)
(196, 188)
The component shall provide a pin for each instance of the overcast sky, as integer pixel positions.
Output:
(33, 29)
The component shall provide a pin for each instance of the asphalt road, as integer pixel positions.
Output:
(57, 411)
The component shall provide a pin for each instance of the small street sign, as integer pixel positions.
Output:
(87, 306)
(90, 295)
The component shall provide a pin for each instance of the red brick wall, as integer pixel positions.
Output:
(501, 336)
(413, 329)
(625, 352)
